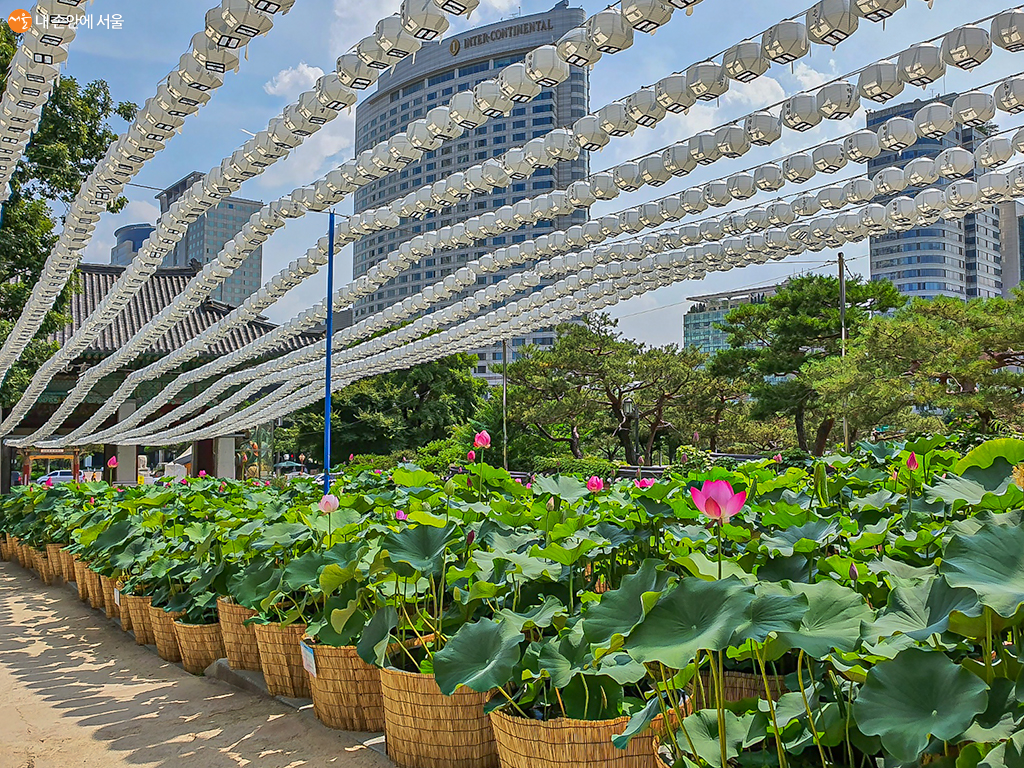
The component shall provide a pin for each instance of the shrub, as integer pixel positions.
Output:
(588, 466)
(437, 456)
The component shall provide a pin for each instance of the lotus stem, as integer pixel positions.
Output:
(771, 709)
(718, 683)
(807, 705)
(665, 712)
(516, 705)
(989, 673)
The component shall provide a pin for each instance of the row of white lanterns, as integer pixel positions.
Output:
(229, 27)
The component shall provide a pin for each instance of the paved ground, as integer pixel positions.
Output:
(77, 692)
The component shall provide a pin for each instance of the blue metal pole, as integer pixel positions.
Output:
(330, 335)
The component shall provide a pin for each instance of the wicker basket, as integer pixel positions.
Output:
(738, 686)
(3, 547)
(42, 565)
(53, 557)
(423, 728)
(346, 690)
(200, 645)
(113, 610)
(138, 609)
(281, 660)
(81, 581)
(166, 641)
(239, 640)
(526, 743)
(126, 616)
(95, 588)
(69, 566)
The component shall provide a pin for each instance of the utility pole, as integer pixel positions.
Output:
(504, 403)
(842, 340)
(327, 372)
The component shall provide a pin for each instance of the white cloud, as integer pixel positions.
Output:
(354, 19)
(808, 77)
(306, 163)
(292, 81)
(757, 94)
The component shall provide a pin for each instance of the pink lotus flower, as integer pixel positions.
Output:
(378, 471)
(328, 503)
(202, 473)
(777, 458)
(471, 456)
(595, 484)
(529, 485)
(854, 575)
(184, 481)
(266, 482)
(643, 482)
(351, 456)
(112, 462)
(912, 461)
(717, 500)
(400, 515)
(482, 440)
(696, 437)
(48, 482)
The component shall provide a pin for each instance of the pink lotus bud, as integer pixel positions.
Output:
(595, 484)
(351, 456)
(470, 537)
(400, 515)
(48, 482)
(471, 456)
(112, 462)
(482, 440)
(328, 503)
(777, 458)
(202, 473)
(912, 461)
(854, 575)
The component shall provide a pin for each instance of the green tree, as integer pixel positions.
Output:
(397, 411)
(961, 358)
(772, 342)
(73, 135)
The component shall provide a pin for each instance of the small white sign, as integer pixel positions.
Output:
(117, 596)
(308, 658)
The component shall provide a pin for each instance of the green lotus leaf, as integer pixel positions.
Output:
(373, 644)
(569, 489)
(620, 610)
(592, 697)
(703, 567)
(568, 552)
(1009, 754)
(540, 616)
(832, 621)
(1000, 720)
(922, 608)
(702, 729)
(1009, 450)
(696, 615)
(421, 549)
(801, 538)
(900, 572)
(480, 656)
(770, 612)
(880, 499)
(991, 488)
(410, 477)
(991, 563)
(639, 722)
(916, 696)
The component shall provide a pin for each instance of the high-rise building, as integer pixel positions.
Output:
(700, 323)
(952, 257)
(129, 242)
(419, 83)
(1011, 230)
(206, 236)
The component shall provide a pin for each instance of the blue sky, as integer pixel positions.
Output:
(307, 41)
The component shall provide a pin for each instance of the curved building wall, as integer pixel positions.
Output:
(429, 79)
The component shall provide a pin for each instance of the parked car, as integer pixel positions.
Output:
(58, 476)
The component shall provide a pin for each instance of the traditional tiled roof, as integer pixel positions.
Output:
(96, 280)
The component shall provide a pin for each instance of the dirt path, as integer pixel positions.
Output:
(76, 692)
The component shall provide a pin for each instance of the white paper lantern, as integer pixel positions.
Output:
(653, 171)
(800, 112)
(465, 112)
(994, 151)
(609, 31)
(651, 215)
(672, 93)
(423, 19)
(716, 193)
(828, 158)
(934, 121)
(741, 186)
(603, 186)
(877, 10)
(829, 22)
(421, 137)
(712, 230)
(693, 200)
(1018, 141)
(994, 187)
(491, 100)
(516, 85)
(786, 42)
(930, 202)
(974, 108)
(589, 133)
(762, 128)
(732, 141)
(955, 163)
(615, 120)
(798, 168)
(966, 47)
(646, 15)
(769, 177)
(516, 164)
(849, 225)
(1009, 95)
(672, 208)
(402, 150)
(962, 195)
(838, 101)
(805, 205)
(921, 64)
(880, 81)
(394, 40)
(862, 146)
(707, 80)
(575, 47)
(442, 122)
(581, 195)
(356, 73)
(545, 67)
(630, 221)
(920, 172)
(372, 54)
(677, 159)
(643, 107)
(858, 191)
(874, 219)
(627, 177)
(780, 214)
(536, 154)
(897, 133)
(703, 148)
(1008, 30)
(832, 198)
(745, 61)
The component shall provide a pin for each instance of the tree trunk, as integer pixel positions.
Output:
(574, 443)
(801, 432)
(821, 438)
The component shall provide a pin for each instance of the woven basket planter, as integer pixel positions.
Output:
(56, 561)
(166, 640)
(239, 640)
(42, 565)
(526, 743)
(423, 728)
(281, 660)
(69, 566)
(27, 561)
(126, 616)
(95, 589)
(112, 609)
(138, 609)
(738, 686)
(200, 645)
(3, 547)
(346, 690)
(81, 581)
